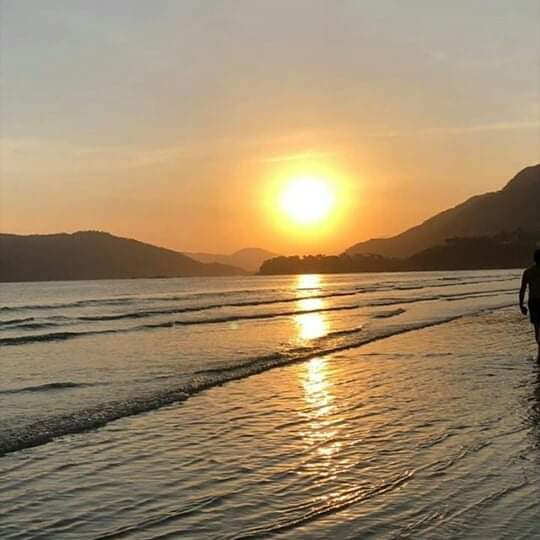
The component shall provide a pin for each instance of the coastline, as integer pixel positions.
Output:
(262, 275)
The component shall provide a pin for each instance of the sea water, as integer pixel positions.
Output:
(243, 367)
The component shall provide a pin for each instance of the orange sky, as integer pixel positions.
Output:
(170, 122)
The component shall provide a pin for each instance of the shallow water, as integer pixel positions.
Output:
(430, 433)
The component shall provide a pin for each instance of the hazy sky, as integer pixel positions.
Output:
(167, 120)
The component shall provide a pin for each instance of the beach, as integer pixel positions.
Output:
(269, 270)
(413, 414)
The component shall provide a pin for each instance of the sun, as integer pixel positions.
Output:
(307, 200)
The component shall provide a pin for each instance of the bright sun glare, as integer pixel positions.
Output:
(307, 200)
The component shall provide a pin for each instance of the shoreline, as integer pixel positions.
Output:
(257, 274)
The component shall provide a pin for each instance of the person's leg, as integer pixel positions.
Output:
(537, 335)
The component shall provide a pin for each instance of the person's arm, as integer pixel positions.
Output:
(524, 283)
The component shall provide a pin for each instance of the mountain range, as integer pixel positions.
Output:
(494, 230)
(249, 259)
(515, 207)
(95, 255)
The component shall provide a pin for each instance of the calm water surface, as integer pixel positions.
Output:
(401, 405)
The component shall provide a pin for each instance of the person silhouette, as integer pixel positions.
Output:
(531, 279)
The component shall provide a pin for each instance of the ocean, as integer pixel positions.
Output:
(345, 406)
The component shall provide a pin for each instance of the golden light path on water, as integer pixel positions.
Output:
(308, 281)
(321, 435)
(317, 386)
(310, 325)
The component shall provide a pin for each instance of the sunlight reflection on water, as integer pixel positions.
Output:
(308, 281)
(310, 325)
(317, 387)
(319, 399)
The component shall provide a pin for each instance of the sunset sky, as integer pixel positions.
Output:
(179, 122)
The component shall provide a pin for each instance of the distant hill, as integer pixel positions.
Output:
(498, 252)
(94, 255)
(250, 259)
(516, 207)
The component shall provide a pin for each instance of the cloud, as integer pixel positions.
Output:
(25, 155)
(457, 130)
(53, 156)
(301, 156)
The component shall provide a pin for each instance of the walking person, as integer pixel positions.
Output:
(531, 280)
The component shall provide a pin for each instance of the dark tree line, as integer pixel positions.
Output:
(506, 250)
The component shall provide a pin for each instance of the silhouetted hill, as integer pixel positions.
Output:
(250, 259)
(479, 253)
(516, 207)
(331, 264)
(498, 252)
(94, 255)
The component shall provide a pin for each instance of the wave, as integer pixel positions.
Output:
(484, 294)
(255, 316)
(46, 387)
(62, 336)
(383, 302)
(66, 305)
(391, 301)
(193, 309)
(33, 326)
(126, 300)
(54, 336)
(10, 322)
(45, 430)
(104, 302)
(324, 506)
(115, 301)
(19, 324)
(388, 314)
